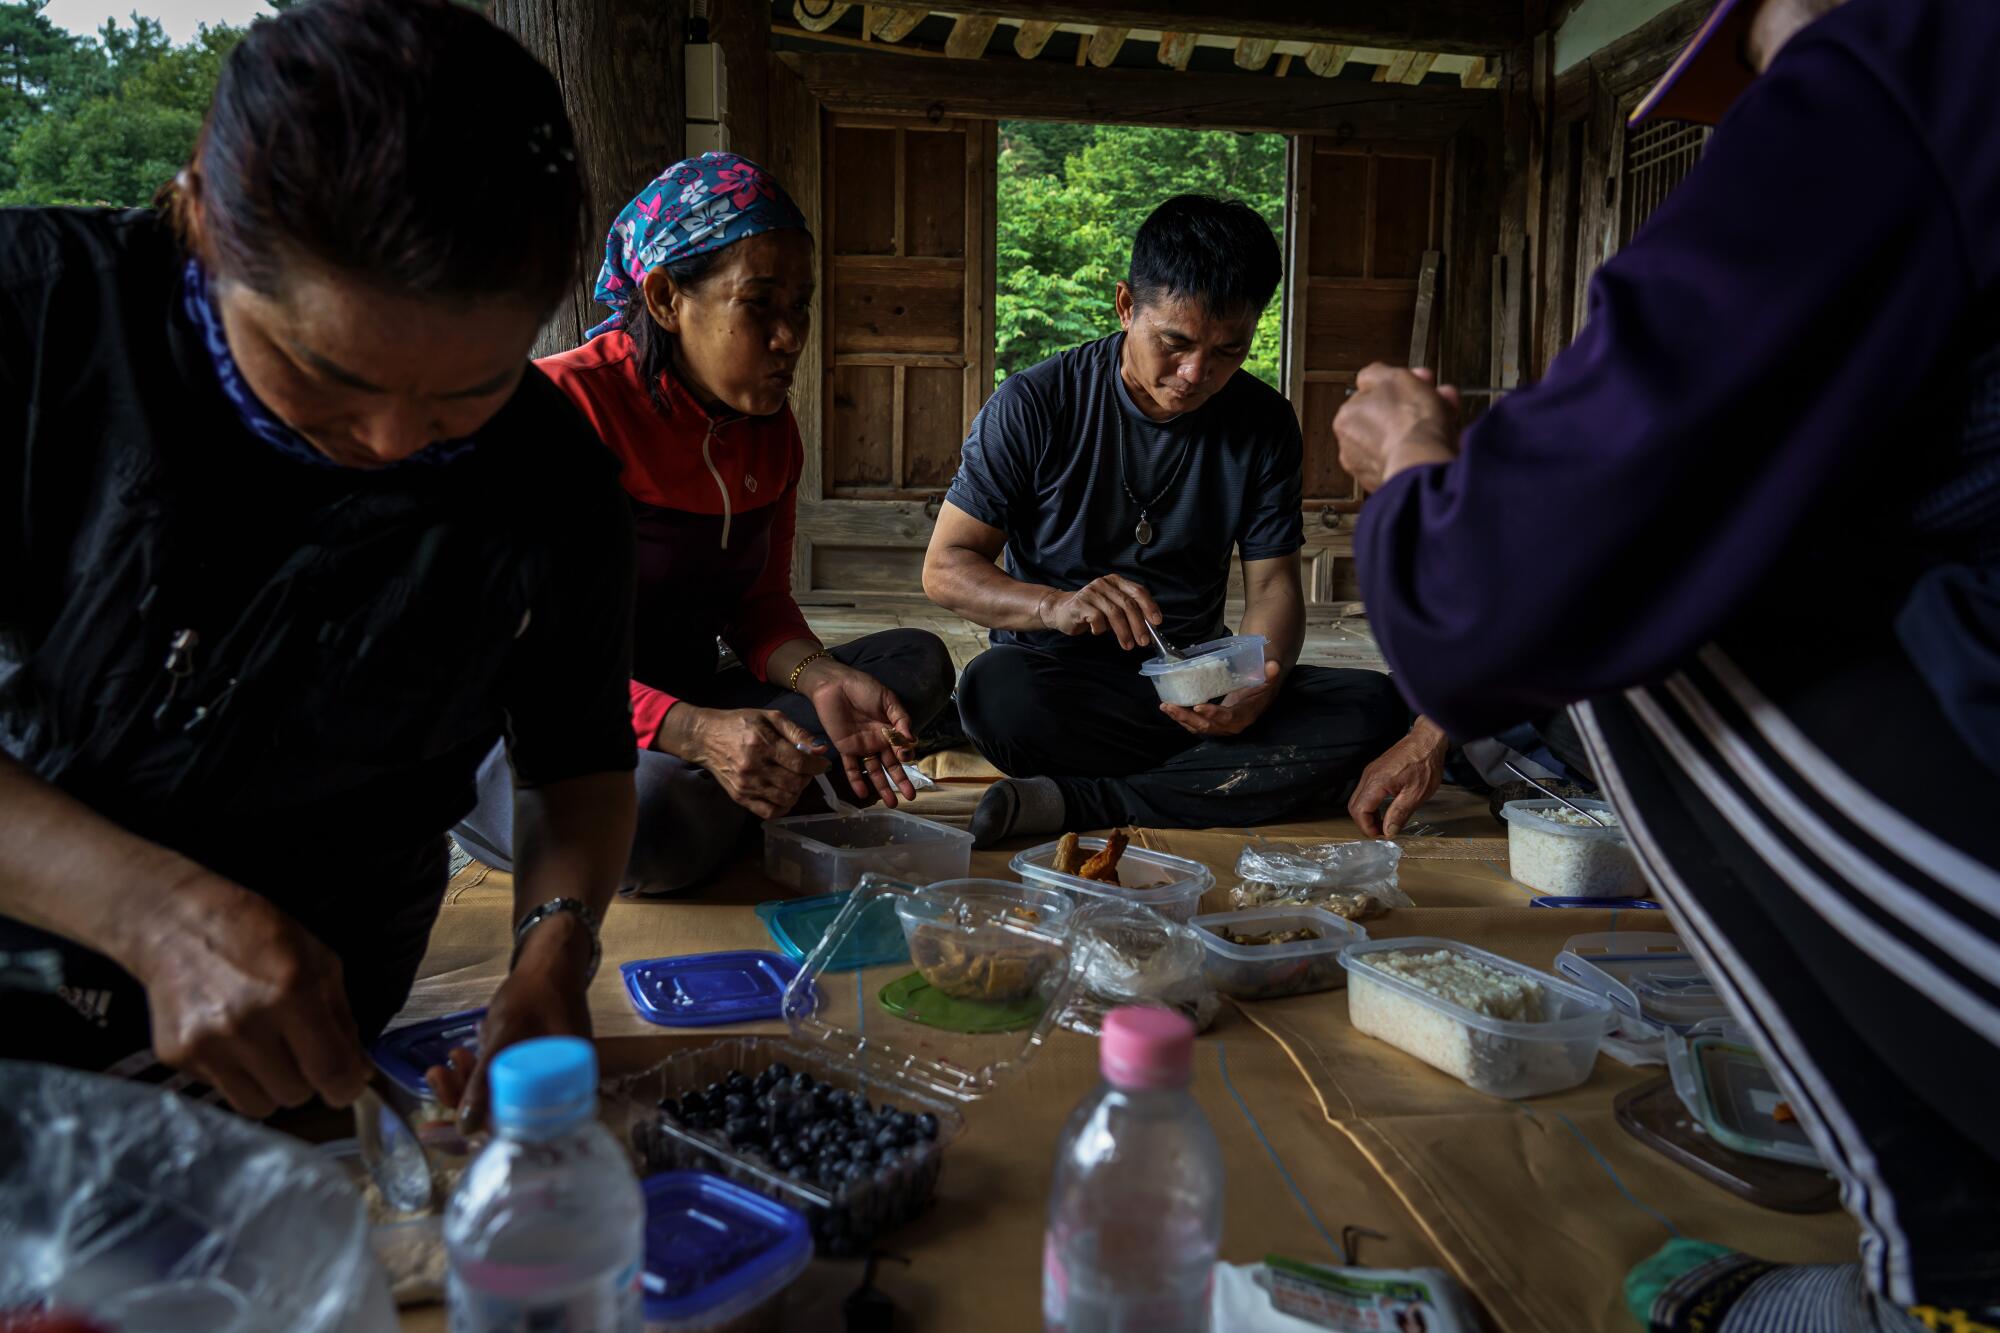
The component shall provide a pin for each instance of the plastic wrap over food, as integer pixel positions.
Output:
(1128, 954)
(1356, 880)
(144, 1211)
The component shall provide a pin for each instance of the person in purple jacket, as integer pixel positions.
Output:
(1748, 526)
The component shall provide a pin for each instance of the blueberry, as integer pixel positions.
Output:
(780, 1070)
(886, 1112)
(798, 1171)
(861, 1150)
(785, 1159)
(670, 1106)
(802, 1082)
(855, 1171)
(927, 1125)
(741, 1129)
(713, 1091)
(736, 1079)
(736, 1103)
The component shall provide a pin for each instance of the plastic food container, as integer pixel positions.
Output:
(1496, 1056)
(829, 853)
(408, 1246)
(406, 1053)
(964, 958)
(796, 925)
(709, 989)
(1208, 670)
(1553, 849)
(849, 1043)
(1728, 1089)
(1269, 971)
(1170, 885)
(718, 1256)
(1648, 976)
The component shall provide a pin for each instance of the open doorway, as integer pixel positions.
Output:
(1069, 201)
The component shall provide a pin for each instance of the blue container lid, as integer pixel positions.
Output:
(407, 1052)
(1613, 904)
(704, 989)
(797, 924)
(715, 1250)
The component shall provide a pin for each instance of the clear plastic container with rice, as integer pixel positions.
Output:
(830, 853)
(1208, 670)
(1557, 851)
(1170, 885)
(1498, 1027)
(1265, 953)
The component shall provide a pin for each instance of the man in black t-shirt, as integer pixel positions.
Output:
(1119, 477)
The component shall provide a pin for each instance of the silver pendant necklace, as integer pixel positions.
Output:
(1143, 532)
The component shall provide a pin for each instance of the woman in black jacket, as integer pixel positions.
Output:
(291, 533)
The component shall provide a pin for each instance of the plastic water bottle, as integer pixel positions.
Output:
(546, 1230)
(1135, 1215)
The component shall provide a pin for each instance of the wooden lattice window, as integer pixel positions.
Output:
(1657, 158)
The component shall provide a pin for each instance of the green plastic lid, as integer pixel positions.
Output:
(914, 998)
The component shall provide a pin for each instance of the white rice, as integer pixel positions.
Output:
(1577, 865)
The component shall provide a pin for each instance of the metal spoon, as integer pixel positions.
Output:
(1591, 815)
(392, 1152)
(1168, 653)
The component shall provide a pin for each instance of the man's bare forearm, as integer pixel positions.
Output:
(1275, 607)
(572, 840)
(969, 584)
(68, 870)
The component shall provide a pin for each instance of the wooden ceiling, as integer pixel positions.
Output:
(1306, 38)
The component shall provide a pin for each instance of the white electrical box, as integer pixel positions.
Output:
(704, 81)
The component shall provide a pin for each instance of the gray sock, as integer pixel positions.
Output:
(1017, 807)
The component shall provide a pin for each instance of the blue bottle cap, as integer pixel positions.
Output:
(704, 989)
(543, 1085)
(407, 1052)
(797, 924)
(714, 1250)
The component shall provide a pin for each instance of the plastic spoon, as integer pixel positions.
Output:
(1168, 653)
(1587, 814)
(391, 1151)
(833, 802)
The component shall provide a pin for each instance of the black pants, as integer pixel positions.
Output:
(688, 825)
(376, 918)
(1828, 848)
(1099, 732)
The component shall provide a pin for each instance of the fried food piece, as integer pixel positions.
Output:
(898, 739)
(1268, 937)
(1103, 867)
(1069, 855)
(1783, 1113)
(979, 969)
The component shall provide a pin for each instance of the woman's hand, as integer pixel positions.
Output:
(544, 996)
(868, 725)
(1407, 775)
(753, 752)
(1396, 419)
(246, 1000)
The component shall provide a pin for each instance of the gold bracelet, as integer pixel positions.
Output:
(804, 662)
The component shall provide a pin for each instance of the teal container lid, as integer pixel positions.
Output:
(797, 925)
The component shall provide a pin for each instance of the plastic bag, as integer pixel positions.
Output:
(141, 1209)
(1355, 880)
(1129, 954)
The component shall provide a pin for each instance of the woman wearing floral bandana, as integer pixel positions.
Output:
(709, 276)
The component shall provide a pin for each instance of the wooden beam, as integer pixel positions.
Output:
(969, 36)
(1032, 37)
(1105, 44)
(1177, 47)
(1419, 67)
(862, 42)
(1399, 65)
(1327, 59)
(812, 22)
(891, 23)
(863, 84)
(742, 28)
(1284, 64)
(1460, 27)
(1253, 53)
(1474, 74)
(1426, 317)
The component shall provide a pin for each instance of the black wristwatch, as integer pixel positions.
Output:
(550, 908)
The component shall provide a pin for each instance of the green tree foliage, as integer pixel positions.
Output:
(99, 121)
(1071, 198)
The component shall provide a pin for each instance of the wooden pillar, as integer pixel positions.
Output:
(619, 65)
(742, 28)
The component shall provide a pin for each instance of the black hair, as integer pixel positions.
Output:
(408, 142)
(653, 346)
(1220, 252)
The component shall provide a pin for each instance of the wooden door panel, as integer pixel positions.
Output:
(1337, 236)
(934, 166)
(1325, 478)
(1405, 213)
(933, 425)
(863, 214)
(862, 400)
(1347, 326)
(882, 306)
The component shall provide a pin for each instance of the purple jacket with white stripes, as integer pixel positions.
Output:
(1784, 406)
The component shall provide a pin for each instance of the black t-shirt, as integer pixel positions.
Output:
(362, 638)
(1042, 463)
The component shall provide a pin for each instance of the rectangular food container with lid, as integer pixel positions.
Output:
(829, 853)
(1728, 1089)
(1170, 885)
(1499, 1057)
(1208, 670)
(1648, 976)
(1554, 850)
(718, 1256)
(855, 1033)
(1269, 971)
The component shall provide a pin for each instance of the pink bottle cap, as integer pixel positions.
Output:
(1144, 1049)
